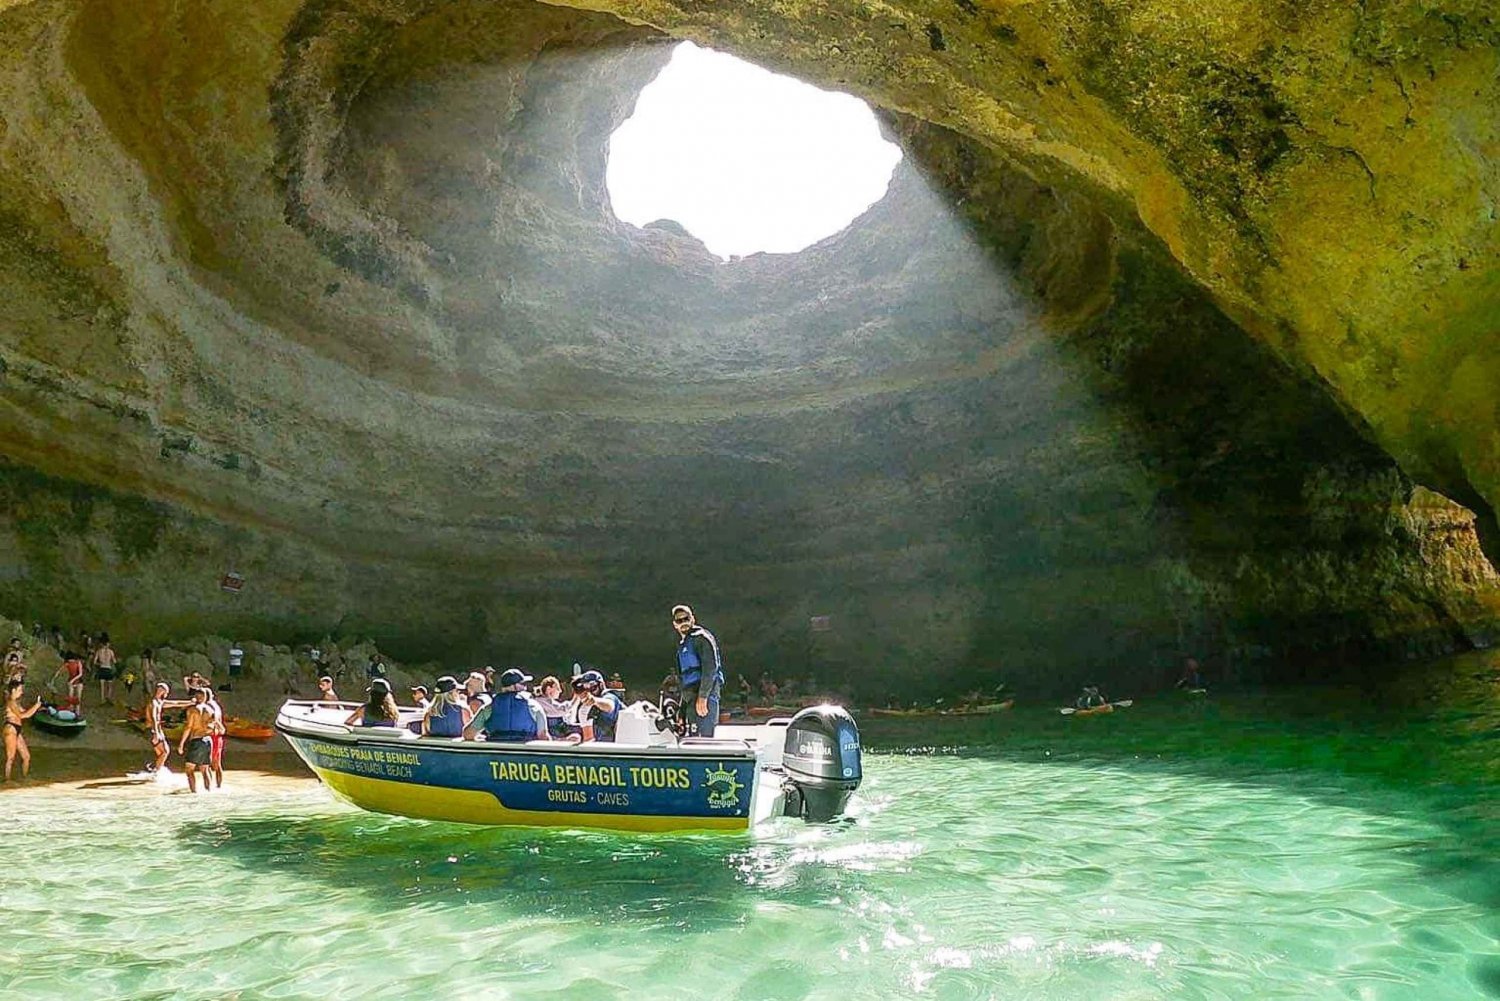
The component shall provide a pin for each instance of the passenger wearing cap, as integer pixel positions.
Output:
(512, 716)
(598, 707)
(449, 714)
(154, 710)
(700, 672)
(476, 688)
(379, 709)
(326, 694)
(419, 697)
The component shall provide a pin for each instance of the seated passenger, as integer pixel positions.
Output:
(1090, 699)
(599, 707)
(476, 689)
(448, 715)
(549, 697)
(512, 715)
(419, 697)
(379, 709)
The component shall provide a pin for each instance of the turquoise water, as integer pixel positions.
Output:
(1311, 845)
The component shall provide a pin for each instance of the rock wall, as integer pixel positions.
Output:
(329, 294)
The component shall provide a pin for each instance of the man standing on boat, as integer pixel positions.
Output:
(700, 668)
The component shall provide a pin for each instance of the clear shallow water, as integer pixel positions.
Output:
(1236, 849)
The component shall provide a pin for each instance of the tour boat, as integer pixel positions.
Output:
(647, 779)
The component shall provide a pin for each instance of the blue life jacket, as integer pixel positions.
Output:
(368, 720)
(448, 723)
(688, 666)
(604, 723)
(510, 718)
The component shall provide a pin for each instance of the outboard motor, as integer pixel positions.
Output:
(822, 763)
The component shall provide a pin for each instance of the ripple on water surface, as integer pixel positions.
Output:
(961, 877)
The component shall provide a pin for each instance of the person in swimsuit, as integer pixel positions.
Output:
(216, 742)
(159, 745)
(104, 668)
(15, 716)
(71, 668)
(196, 745)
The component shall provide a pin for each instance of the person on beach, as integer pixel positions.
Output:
(149, 675)
(379, 708)
(72, 669)
(15, 660)
(104, 668)
(700, 670)
(15, 717)
(448, 715)
(196, 745)
(215, 769)
(159, 746)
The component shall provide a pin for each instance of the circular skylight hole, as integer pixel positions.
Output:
(746, 160)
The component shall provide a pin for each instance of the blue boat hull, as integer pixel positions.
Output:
(533, 785)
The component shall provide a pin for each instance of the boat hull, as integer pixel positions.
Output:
(535, 784)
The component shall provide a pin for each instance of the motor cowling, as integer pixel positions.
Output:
(821, 758)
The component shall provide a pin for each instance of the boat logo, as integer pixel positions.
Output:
(723, 788)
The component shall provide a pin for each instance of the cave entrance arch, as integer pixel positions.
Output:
(744, 159)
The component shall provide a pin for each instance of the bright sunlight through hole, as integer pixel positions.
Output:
(745, 160)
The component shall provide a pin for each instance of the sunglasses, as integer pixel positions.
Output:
(680, 620)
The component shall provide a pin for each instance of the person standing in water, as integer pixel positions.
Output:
(159, 745)
(15, 718)
(215, 768)
(196, 745)
(700, 670)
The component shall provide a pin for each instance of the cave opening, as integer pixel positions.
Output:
(746, 160)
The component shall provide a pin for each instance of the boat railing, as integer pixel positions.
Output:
(716, 742)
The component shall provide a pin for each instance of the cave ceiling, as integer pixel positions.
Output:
(1168, 308)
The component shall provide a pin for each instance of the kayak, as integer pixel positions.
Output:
(234, 726)
(244, 729)
(983, 709)
(60, 722)
(772, 711)
(1108, 707)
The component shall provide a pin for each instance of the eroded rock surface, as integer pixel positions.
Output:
(1136, 356)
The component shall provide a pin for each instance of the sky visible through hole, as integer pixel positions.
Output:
(744, 159)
